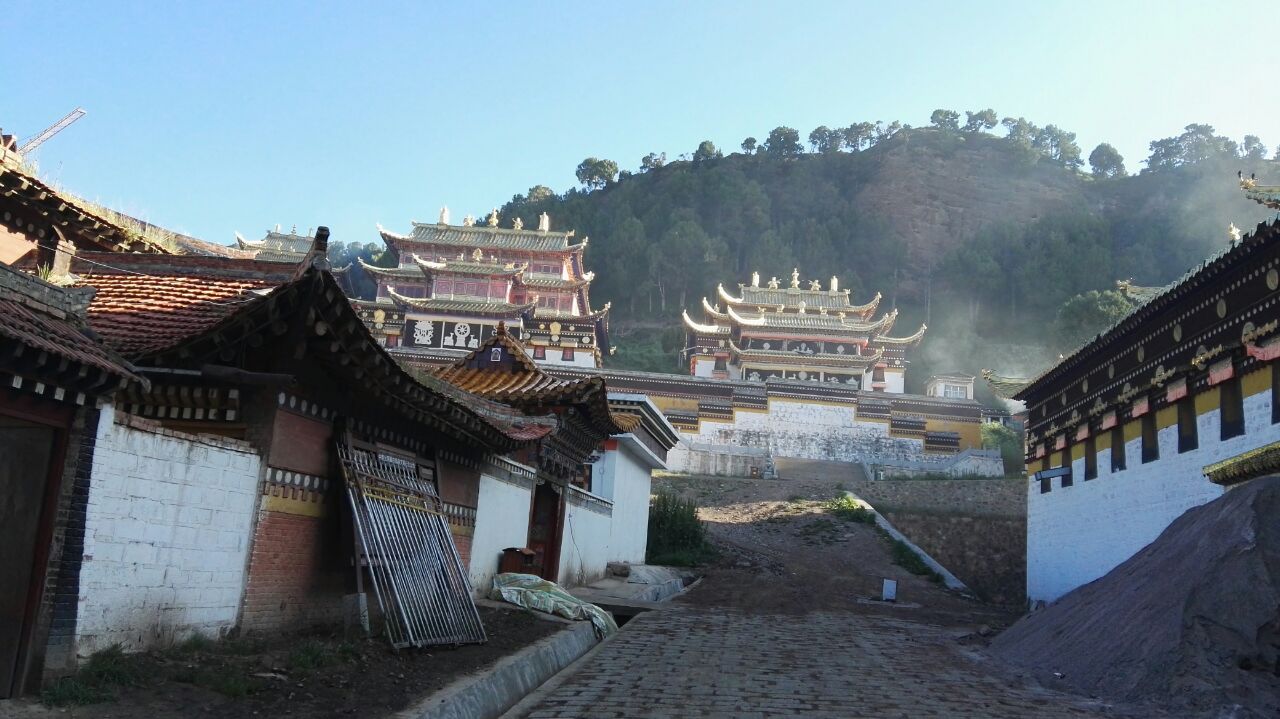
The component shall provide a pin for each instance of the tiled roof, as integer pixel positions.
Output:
(554, 283)
(165, 299)
(43, 317)
(510, 386)
(823, 359)
(1005, 387)
(792, 297)
(410, 273)
(467, 307)
(811, 321)
(466, 267)
(483, 237)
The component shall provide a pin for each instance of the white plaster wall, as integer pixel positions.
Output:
(584, 548)
(502, 520)
(167, 531)
(1079, 533)
(632, 484)
(703, 367)
(812, 431)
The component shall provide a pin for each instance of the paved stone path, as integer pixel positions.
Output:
(711, 662)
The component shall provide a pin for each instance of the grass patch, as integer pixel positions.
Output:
(905, 557)
(795, 499)
(310, 655)
(676, 536)
(72, 691)
(848, 509)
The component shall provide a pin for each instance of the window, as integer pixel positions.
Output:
(567, 354)
(1090, 458)
(954, 391)
(1046, 484)
(1187, 438)
(539, 352)
(1150, 441)
(1232, 411)
(495, 354)
(1275, 393)
(1117, 448)
(444, 287)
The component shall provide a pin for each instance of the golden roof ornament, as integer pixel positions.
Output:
(801, 307)
(755, 279)
(1233, 233)
(814, 285)
(822, 311)
(835, 284)
(795, 278)
(493, 218)
(469, 221)
(773, 283)
(444, 215)
(544, 222)
(478, 255)
(517, 223)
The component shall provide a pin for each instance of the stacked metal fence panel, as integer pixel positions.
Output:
(421, 585)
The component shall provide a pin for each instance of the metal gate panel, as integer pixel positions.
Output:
(422, 587)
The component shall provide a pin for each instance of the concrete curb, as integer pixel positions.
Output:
(948, 578)
(489, 694)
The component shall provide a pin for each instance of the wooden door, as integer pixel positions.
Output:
(26, 458)
(544, 530)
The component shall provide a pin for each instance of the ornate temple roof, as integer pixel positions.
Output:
(277, 246)
(812, 321)
(809, 293)
(475, 267)
(482, 236)
(825, 359)
(704, 329)
(1266, 195)
(909, 341)
(479, 308)
(1004, 387)
(411, 273)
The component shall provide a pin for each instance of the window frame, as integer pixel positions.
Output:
(1188, 427)
(1231, 394)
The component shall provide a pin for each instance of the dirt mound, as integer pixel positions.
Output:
(1192, 620)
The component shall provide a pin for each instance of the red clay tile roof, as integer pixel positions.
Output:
(147, 303)
(30, 315)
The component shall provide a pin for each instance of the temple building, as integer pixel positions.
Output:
(1162, 412)
(453, 284)
(810, 334)
(277, 246)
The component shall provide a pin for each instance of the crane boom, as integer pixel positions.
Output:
(52, 130)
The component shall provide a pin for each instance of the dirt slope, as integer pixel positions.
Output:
(1193, 619)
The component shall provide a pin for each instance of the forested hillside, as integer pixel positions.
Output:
(983, 236)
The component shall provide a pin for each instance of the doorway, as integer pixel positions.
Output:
(545, 521)
(26, 464)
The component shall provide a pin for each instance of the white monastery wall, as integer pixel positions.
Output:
(502, 520)
(1079, 533)
(167, 533)
(584, 546)
(703, 367)
(630, 489)
(810, 431)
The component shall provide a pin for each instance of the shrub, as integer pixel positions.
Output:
(848, 509)
(676, 535)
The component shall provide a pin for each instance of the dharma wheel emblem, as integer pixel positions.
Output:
(1222, 308)
(1273, 279)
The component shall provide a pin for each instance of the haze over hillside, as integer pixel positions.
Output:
(983, 237)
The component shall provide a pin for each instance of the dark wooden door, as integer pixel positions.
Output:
(26, 452)
(544, 530)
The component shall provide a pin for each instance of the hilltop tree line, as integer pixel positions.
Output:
(664, 234)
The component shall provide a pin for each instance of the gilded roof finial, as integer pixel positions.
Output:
(835, 284)
(795, 278)
(493, 218)
(800, 307)
(815, 285)
(478, 255)
(518, 223)
(444, 215)
(1233, 233)
(773, 283)
(544, 222)
(755, 279)
(469, 221)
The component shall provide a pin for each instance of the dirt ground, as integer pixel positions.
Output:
(782, 551)
(316, 676)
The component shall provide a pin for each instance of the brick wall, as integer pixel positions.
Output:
(166, 535)
(298, 572)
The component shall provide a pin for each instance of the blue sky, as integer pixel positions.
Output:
(212, 117)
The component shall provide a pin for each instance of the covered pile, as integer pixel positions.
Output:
(1192, 620)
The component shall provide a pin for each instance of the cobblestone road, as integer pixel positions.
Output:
(706, 662)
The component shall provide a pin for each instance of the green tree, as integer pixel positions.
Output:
(948, 120)
(594, 173)
(1105, 161)
(1085, 315)
(825, 140)
(540, 193)
(1252, 148)
(980, 120)
(749, 145)
(1008, 441)
(783, 142)
(1196, 144)
(706, 151)
(653, 161)
(858, 135)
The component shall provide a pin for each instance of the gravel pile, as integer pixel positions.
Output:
(1191, 621)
